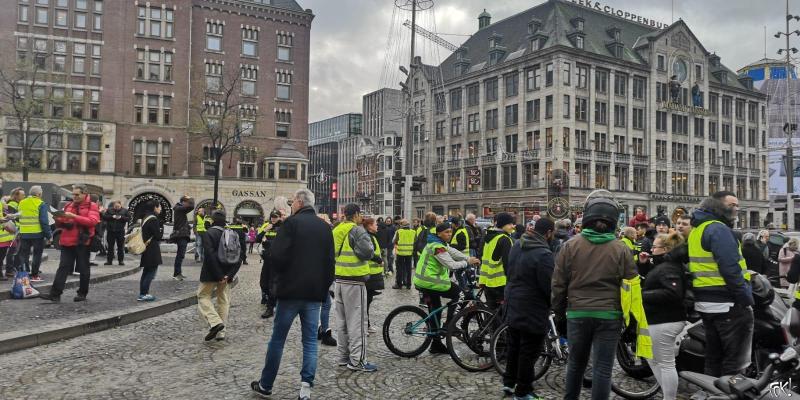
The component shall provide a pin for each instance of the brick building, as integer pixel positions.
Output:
(133, 74)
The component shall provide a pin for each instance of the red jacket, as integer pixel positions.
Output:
(87, 216)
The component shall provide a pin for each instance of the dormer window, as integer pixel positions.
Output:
(579, 42)
(577, 22)
(492, 42)
(535, 45)
(614, 33)
(533, 26)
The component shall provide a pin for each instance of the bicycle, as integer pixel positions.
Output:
(409, 330)
(554, 350)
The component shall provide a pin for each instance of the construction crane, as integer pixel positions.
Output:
(432, 37)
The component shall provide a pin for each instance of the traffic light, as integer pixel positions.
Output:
(334, 193)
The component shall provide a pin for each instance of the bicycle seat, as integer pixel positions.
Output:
(723, 383)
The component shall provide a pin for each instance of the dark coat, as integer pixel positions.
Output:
(527, 295)
(386, 241)
(213, 270)
(664, 290)
(152, 231)
(303, 260)
(116, 225)
(754, 257)
(180, 221)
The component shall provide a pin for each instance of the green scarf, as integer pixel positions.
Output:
(596, 237)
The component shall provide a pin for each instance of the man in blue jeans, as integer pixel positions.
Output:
(303, 272)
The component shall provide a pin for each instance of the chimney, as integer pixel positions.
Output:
(484, 19)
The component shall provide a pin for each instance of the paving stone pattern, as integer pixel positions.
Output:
(166, 358)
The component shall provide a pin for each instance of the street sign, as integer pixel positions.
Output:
(474, 181)
(474, 172)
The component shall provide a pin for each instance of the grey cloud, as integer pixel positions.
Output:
(348, 37)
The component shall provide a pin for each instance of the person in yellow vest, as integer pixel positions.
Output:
(353, 248)
(587, 296)
(267, 233)
(432, 275)
(8, 230)
(375, 282)
(460, 240)
(200, 226)
(11, 212)
(721, 285)
(404, 247)
(496, 247)
(34, 231)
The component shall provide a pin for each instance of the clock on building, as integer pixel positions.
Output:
(679, 69)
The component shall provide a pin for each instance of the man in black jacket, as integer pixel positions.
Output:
(475, 236)
(116, 218)
(527, 298)
(181, 233)
(215, 276)
(303, 271)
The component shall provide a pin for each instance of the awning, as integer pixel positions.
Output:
(248, 212)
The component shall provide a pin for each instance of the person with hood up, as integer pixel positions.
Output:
(586, 294)
(527, 301)
(432, 275)
(495, 257)
(753, 256)
(663, 293)
(721, 285)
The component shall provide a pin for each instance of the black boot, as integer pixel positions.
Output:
(268, 313)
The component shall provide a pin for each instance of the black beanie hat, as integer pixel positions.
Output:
(502, 219)
(544, 225)
(443, 227)
(351, 210)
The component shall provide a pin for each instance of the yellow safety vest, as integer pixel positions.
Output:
(375, 268)
(263, 227)
(462, 230)
(703, 267)
(5, 236)
(405, 242)
(347, 263)
(631, 302)
(200, 224)
(29, 215)
(635, 248)
(430, 273)
(13, 204)
(492, 272)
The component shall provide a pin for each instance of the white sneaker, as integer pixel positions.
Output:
(305, 391)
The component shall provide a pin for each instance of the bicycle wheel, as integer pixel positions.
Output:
(469, 335)
(632, 377)
(405, 331)
(498, 352)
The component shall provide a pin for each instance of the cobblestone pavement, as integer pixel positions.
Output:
(117, 294)
(166, 358)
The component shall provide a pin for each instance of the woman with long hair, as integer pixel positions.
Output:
(151, 257)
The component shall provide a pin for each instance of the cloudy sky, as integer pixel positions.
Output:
(351, 56)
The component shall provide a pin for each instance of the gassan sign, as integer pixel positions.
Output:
(596, 5)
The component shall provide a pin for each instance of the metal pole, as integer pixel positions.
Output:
(789, 155)
(409, 140)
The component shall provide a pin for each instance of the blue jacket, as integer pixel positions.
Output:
(44, 211)
(719, 240)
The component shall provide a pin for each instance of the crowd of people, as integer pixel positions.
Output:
(590, 272)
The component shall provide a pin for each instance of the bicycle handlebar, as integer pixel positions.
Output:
(766, 377)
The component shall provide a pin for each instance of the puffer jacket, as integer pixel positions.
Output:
(82, 226)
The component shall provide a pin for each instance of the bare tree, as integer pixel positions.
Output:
(23, 98)
(221, 117)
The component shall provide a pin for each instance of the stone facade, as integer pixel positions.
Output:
(583, 101)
